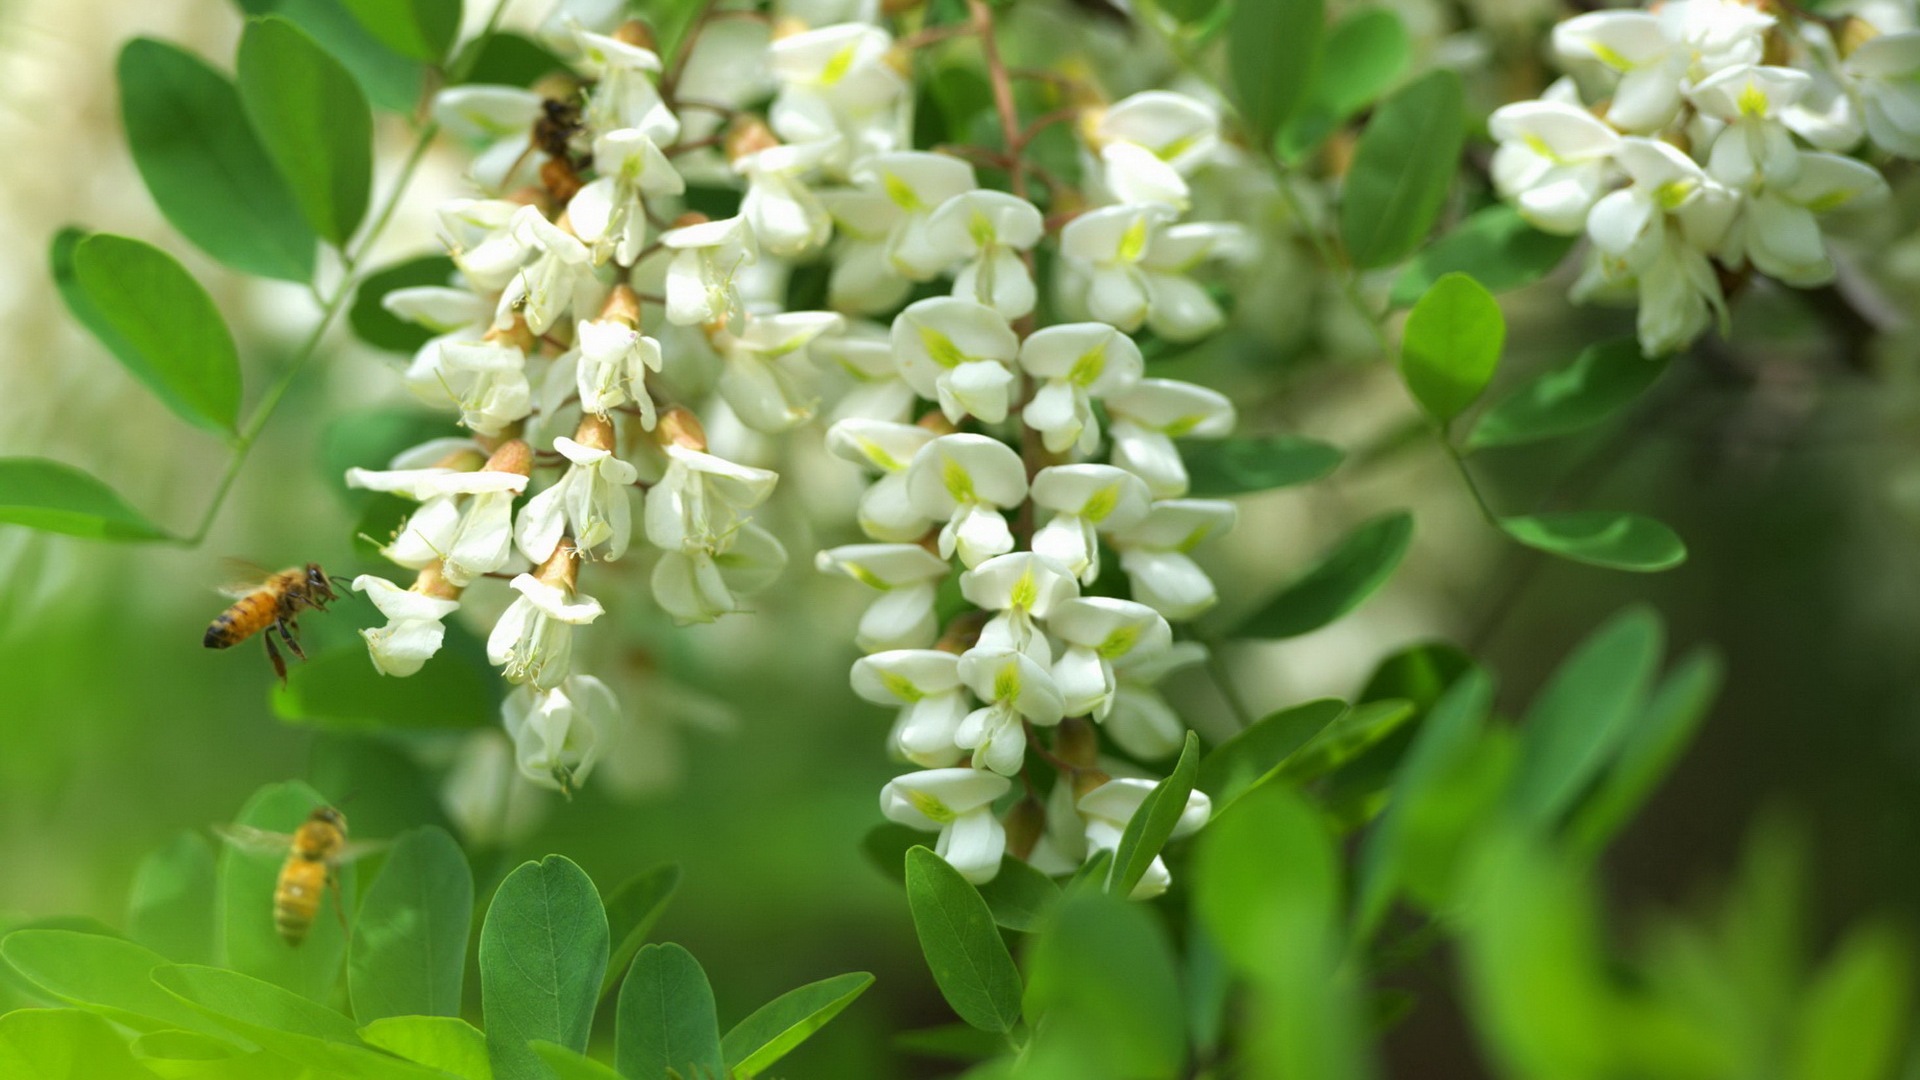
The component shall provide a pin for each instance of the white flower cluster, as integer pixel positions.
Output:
(1706, 135)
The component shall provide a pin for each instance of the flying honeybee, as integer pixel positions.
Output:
(272, 606)
(314, 852)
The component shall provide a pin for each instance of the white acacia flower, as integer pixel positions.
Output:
(613, 362)
(1076, 363)
(501, 116)
(1777, 229)
(916, 183)
(984, 232)
(907, 577)
(623, 92)
(1885, 72)
(966, 480)
(559, 279)
(1109, 807)
(414, 627)
(1661, 228)
(1017, 691)
(959, 353)
(863, 279)
(610, 212)
(886, 511)
(558, 734)
(485, 380)
(1098, 631)
(1150, 142)
(787, 218)
(1154, 412)
(1140, 720)
(1756, 147)
(1554, 162)
(702, 501)
(1648, 59)
(480, 238)
(1178, 308)
(533, 641)
(1086, 501)
(1109, 244)
(1022, 588)
(838, 89)
(591, 502)
(924, 684)
(700, 277)
(484, 794)
(766, 378)
(464, 519)
(1154, 554)
(441, 309)
(958, 804)
(865, 355)
(697, 585)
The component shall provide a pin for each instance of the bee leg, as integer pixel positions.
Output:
(285, 626)
(273, 654)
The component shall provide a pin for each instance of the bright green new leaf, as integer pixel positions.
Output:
(340, 690)
(1153, 823)
(1605, 538)
(1238, 466)
(571, 1064)
(1237, 765)
(1103, 980)
(314, 121)
(174, 1052)
(1578, 720)
(772, 1031)
(420, 29)
(506, 59)
(247, 880)
(666, 1023)
(1495, 245)
(391, 81)
(284, 1023)
(1603, 379)
(379, 327)
(207, 173)
(953, 1042)
(99, 973)
(1019, 896)
(52, 497)
(1363, 55)
(1417, 673)
(631, 912)
(1352, 734)
(1402, 170)
(62, 1044)
(1651, 746)
(170, 908)
(1451, 345)
(409, 949)
(1344, 579)
(447, 1043)
(1272, 48)
(543, 950)
(970, 963)
(156, 320)
(1857, 1016)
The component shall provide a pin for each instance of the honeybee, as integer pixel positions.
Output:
(315, 852)
(553, 134)
(272, 606)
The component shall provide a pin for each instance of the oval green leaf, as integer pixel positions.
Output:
(341, 690)
(506, 59)
(391, 81)
(543, 950)
(1272, 47)
(1363, 55)
(1495, 245)
(1611, 539)
(314, 121)
(1451, 345)
(52, 497)
(1653, 744)
(571, 1064)
(62, 1044)
(631, 912)
(205, 169)
(409, 949)
(1600, 381)
(247, 880)
(970, 963)
(1402, 170)
(772, 1031)
(420, 29)
(1019, 896)
(1104, 990)
(447, 1043)
(666, 1026)
(1224, 467)
(1151, 826)
(100, 973)
(1343, 580)
(1242, 762)
(170, 909)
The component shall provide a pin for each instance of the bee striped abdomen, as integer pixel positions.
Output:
(296, 897)
(248, 616)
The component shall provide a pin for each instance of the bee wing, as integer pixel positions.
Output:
(243, 578)
(255, 841)
(360, 849)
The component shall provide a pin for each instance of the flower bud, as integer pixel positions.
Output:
(516, 334)
(679, 427)
(1854, 32)
(512, 456)
(963, 632)
(622, 306)
(560, 570)
(689, 218)
(595, 432)
(787, 26)
(937, 422)
(636, 32)
(1025, 822)
(432, 582)
(1087, 781)
(749, 135)
(1076, 743)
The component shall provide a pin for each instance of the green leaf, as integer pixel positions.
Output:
(313, 119)
(1579, 719)
(543, 950)
(1494, 244)
(631, 912)
(954, 1042)
(103, 974)
(409, 949)
(1244, 761)
(419, 29)
(1605, 538)
(1858, 1012)
(1104, 985)
(1656, 739)
(970, 963)
(571, 1064)
(207, 173)
(1347, 738)
(62, 1044)
(1225, 467)
(1153, 823)
(1019, 896)
(1452, 345)
(1603, 379)
(1363, 55)
(772, 1031)
(667, 1027)
(379, 327)
(506, 59)
(886, 846)
(340, 690)
(249, 1005)
(447, 1043)
(174, 1052)
(171, 906)
(53, 497)
(247, 880)
(156, 320)
(1417, 673)
(1402, 169)
(1341, 582)
(1272, 49)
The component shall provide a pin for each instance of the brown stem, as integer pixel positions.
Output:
(933, 35)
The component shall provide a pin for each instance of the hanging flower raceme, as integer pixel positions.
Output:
(464, 523)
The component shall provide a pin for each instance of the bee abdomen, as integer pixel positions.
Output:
(220, 632)
(245, 618)
(292, 925)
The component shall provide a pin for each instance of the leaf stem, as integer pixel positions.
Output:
(1223, 681)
